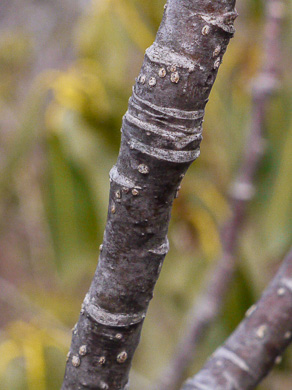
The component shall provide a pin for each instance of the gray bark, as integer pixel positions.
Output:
(256, 345)
(161, 135)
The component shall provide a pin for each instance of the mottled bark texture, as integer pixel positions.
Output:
(207, 307)
(161, 135)
(256, 345)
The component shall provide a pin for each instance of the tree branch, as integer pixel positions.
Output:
(208, 305)
(161, 135)
(257, 344)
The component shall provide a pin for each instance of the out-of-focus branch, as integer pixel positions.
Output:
(12, 296)
(209, 304)
(257, 344)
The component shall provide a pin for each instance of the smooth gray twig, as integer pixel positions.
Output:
(258, 342)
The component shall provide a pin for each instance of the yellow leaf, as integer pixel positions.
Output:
(35, 362)
(207, 230)
(9, 350)
(135, 26)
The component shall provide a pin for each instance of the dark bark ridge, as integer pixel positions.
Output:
(258, 342)
(161, 135)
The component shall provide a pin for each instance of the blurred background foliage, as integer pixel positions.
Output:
(67, 69)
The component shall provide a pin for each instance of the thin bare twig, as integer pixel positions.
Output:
(210, 302)
(257, 344)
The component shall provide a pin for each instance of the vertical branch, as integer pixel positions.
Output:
(209, 303)
(256, 345)
(161, 135)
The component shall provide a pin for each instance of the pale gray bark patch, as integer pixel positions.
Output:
(168, 57)
(225, 21)
(120, 179)
(175, 156)
(162, 249)
(104, 317)
(229, 355)
(179, 139)
(287, 283)
(170, 111)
